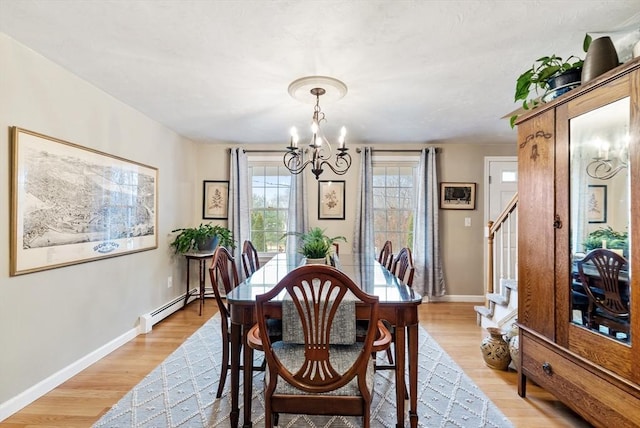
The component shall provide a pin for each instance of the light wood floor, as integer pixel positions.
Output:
(81, 401)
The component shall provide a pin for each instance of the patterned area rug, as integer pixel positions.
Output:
(180, 392)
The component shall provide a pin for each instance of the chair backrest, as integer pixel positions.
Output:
(250, 260)
(317, 292)
(386, 255)
(336, 248)
(403, 267)
(606, 277)
(223, 273)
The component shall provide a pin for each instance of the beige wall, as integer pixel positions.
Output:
(462, 246)
(53, 318)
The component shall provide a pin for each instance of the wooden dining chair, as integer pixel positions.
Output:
(600, 274)
(386, 255)
(250, 260)
(223, 273)
(403, 268)
(336, 248)
(319, 368)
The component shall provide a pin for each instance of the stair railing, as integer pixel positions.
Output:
(502, 258)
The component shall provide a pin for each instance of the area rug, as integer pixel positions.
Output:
(180, 392)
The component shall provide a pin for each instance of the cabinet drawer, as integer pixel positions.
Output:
(588, 391)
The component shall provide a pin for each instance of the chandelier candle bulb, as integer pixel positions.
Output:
(343, 134)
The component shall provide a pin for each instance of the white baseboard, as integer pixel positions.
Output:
(457, 298)
(25, 398)
(28, 396)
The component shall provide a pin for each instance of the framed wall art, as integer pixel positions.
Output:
(597, 203)
(331, 195)
(71, 204)
(215, 199)
(458, 196)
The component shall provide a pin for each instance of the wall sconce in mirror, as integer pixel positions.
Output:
(608, 162)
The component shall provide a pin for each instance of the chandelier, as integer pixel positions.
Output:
(321, 149)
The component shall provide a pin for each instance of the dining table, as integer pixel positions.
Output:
(398, 305)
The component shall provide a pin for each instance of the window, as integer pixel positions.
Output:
(270, 184)
(394, 201)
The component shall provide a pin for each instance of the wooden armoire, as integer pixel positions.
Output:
(579, 171)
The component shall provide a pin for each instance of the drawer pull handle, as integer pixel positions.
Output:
(546, 367)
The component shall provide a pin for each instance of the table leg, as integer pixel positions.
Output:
(248, 378)
(201, 268)
(236, 338)
(412, 335)
(400, 360)
(186, 295)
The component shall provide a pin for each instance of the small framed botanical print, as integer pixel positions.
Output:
(331, 196)
(215, 199)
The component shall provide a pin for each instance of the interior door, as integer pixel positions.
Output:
(501, 182)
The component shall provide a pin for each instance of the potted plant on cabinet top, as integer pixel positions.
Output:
(550, 75)
(205, 237)
(315, 245)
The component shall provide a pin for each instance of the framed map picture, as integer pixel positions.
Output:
(71, 204)
(215, 199)
(331, 196)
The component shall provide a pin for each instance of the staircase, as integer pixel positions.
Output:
(501, 307)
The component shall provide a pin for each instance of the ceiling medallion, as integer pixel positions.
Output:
(310, 89)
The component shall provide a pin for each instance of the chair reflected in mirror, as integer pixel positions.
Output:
(604, 277)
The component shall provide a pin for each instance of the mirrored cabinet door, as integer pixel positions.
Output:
(600, 216)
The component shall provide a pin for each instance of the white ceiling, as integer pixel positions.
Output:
(416, 71)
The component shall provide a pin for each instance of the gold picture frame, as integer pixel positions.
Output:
(71, 204)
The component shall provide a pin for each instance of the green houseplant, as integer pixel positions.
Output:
(547, 73)
(614, 240)
(202, 238)
(314, 244)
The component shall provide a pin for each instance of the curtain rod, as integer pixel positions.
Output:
(263, 151)
(359, 150)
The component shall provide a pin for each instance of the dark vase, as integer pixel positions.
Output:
(209, 244)
(601, 57)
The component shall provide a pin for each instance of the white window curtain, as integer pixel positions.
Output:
(429, 278)
(239, 217)
(298, 216)
(579, 160)
(363, 242)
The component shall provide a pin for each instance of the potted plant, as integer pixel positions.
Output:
(549, 74)
(611, 239)
(205, 237)
(314, 244)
